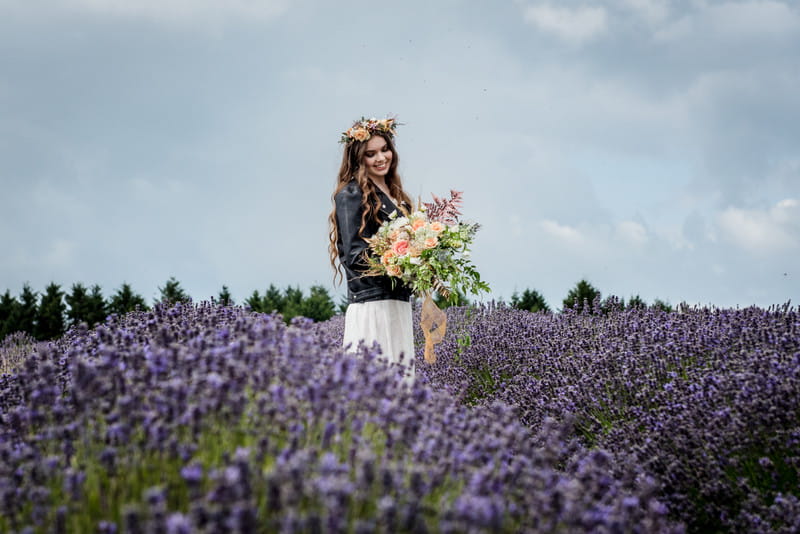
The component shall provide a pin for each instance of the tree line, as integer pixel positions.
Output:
(48, 315)
(584, 297)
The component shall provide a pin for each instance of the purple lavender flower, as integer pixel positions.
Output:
(527, 422)
(178, 523)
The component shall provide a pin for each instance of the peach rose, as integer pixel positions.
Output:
(360, 134)
(431, 242)
(437, 227)
(387, 256)
(394, 270)
(400, 247)
(416, 225)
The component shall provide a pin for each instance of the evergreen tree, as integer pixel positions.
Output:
(273, 300)
(659, 304)
(582, 297)
(97, 307)
(255, 302)
(125, 300)
(23, 315)
(319, 305)
(225, 297)
(530, 300)
(78, 303)
(50, 314)
(612, 303)
(7, 306)
(636, 303)
(455, 299)
(172, 292)
(292, 303)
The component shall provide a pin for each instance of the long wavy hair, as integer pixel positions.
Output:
(352, 168)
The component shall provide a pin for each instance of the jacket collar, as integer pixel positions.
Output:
(387, 204)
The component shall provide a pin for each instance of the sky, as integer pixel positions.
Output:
(650, 147)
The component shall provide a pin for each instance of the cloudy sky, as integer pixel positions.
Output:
(649, 146)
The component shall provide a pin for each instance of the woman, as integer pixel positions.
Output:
(368, 189)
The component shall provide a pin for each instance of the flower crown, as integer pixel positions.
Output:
(362, 130)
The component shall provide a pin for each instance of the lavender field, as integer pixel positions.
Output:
(200, 418)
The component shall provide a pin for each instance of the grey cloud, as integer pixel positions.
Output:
(711, 81)
(153, 150)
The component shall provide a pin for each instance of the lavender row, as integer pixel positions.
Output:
(707, 401)
(200, 418)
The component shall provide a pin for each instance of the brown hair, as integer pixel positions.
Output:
(352, 169)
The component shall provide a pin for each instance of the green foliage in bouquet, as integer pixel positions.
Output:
(428, 249)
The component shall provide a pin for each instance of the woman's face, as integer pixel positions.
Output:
(377, 157)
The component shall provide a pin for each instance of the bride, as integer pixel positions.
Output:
(368, 189)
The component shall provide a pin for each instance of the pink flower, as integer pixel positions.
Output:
(400, 247)
(417, 224)
(431, 242)
(437, 227)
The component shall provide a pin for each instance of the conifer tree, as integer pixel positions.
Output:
(23, 315)
(50, 314)
(77, 302)
(530, 300)
(97, 307)
(273, 300)
(659, 304)
(319, 305)
(255, 302)
(636, 302)
(125, 300)
(7, 306)
(582, 297)
(612, 303)
(172, 292)
(455, 299)
(225, 297)
(292, 303)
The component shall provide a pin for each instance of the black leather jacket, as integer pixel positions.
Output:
(351, 248)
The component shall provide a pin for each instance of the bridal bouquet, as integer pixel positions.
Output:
(428, 249)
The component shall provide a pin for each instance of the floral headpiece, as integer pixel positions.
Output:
(362, 130)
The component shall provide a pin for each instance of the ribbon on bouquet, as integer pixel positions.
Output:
(434, 324)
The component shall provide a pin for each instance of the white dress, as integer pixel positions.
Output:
(387, 322)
